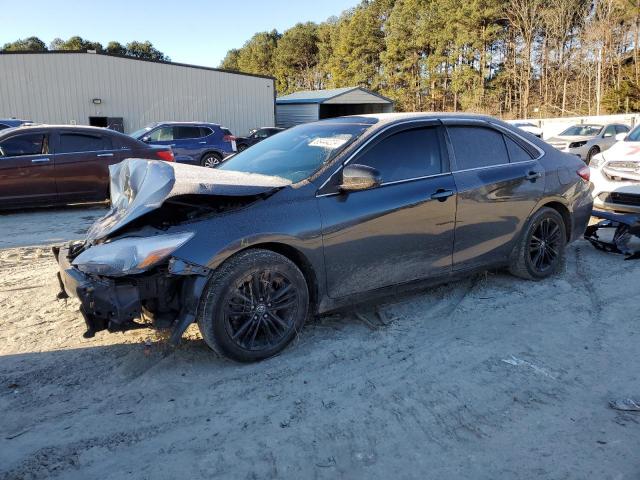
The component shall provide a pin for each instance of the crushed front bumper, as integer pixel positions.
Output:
(167, 299)
(105, 304)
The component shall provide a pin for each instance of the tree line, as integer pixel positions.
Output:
(144, 50)
(513, 58)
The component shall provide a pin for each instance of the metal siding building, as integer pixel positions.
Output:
(312, 105)
(60, 87)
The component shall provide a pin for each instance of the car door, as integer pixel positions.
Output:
(164, 135)
(82, 160)
(188, 144)
(499, 182)
(26, 170)
(400, 231)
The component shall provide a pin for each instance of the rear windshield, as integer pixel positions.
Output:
(582, 130)
(297, 153)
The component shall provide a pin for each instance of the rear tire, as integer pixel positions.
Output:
(593, 151)
(211, 160)
(253, 306)
(541, 248)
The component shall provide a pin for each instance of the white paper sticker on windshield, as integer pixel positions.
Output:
(330, 142)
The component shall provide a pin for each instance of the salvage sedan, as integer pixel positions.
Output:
(319, 217)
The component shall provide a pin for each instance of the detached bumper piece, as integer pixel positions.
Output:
(168, 298)
(625, 227)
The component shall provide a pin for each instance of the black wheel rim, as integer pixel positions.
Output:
(544, 246)
(260, 310)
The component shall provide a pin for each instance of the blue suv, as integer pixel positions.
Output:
(206, 144)
(12, 122)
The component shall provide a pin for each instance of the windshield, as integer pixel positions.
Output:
(633, 135)
(297, 153)
(582, 130)
(141, 132)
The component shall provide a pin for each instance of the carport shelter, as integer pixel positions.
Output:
(313, 105)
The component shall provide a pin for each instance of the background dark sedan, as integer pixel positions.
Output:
(255, 137)
(12, 122)
(49, 165)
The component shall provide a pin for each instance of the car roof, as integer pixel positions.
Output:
(190, 124)
(45, 127)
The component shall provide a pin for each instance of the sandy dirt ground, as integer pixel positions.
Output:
(488, 378)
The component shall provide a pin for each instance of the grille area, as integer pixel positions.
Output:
(620, 198)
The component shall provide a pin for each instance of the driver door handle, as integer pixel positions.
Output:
(40, 160)
(441, 194)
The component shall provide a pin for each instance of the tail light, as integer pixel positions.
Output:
(166, 155)
(229, 138)
(584, 173)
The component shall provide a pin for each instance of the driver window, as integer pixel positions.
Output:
(163, 134)
(261, 134)
(21, 145)
(405, 155)
(610, 131)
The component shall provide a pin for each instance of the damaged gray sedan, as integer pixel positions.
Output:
(317, 217)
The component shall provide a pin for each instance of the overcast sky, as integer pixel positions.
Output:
(189, 31)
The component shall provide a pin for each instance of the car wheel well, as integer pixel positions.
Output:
(301, 262)
(208, 152)
(564, 212)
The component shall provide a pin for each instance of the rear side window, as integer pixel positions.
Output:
(406, 155)
(226, 131)
(21, 145)
(205, 131)
(184, 133)
(3, 126)
(477, 147)
(622, 129)
(516, 152)
(77, 143)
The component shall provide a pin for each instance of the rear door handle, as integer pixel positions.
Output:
(40, 160)
(105, 154)
(202, 143)
(441, 194)
(533, 175)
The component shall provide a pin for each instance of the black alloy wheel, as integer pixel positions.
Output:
(540, 249)
(261, 309)
(545, 244)
(255, 303)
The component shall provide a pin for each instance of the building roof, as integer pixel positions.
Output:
(90, 52)
(321, 96)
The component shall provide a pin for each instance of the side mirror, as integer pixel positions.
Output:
(359, 177)
(621, 136)
(146, 139)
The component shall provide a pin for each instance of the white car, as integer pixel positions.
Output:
(528, 127)
(615, 175)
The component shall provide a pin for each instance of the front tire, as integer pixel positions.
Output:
(590, 154)
(541, 248)
(253, 306)
(211, 160)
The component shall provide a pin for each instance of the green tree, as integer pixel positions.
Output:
(257, 55)
(146, 51)
(230, 61)
(116, 48)
(31, 44)
(296, 59)
(75, 43)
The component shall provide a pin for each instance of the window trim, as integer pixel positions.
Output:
(46, 150)
(386, 132)
(59, 143)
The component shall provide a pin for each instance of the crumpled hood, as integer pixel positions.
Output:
(139, 186)
(622, 161)
(623, 151)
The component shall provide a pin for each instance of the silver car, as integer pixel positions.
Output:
(587, 140)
